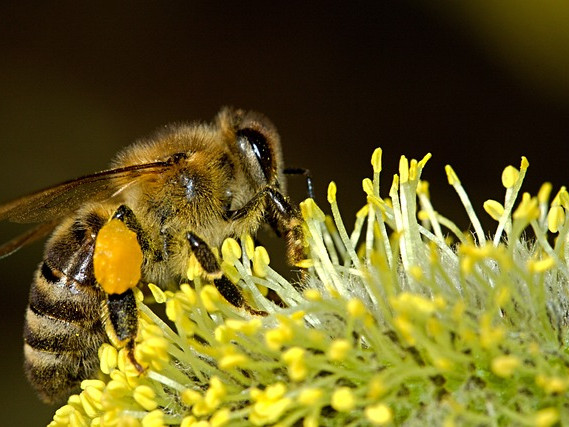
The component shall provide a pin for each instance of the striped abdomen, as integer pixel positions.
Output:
(63, 328)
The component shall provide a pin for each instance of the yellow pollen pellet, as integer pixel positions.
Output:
(117, 259)
(343, 399)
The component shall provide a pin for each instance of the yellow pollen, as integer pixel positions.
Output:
(118, 258)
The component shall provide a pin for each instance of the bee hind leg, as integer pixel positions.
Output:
(123, 322)
(209, 263)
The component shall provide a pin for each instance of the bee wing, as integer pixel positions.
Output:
(62, 199)
(30, 236)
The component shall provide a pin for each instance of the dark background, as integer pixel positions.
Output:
(476, 87)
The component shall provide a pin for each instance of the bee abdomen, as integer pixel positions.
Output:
(63, 331)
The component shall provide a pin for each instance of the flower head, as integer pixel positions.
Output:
(390, 324)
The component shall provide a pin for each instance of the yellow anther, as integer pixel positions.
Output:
(528, 208)
(332, 192)
(210, 297)
(451, 175)
(261, 261)
(509, 176)
(544, 192)
(108, 358)
(312, 294)
(424, 160)
(339, 349)
(157, 293)
(541, 265)
(189, 293)
(555, 218)
(310, 209)
(376, 160)
(367, 186)
(343, 399)
(220, 417)
(504, 366)
(145, 396)
(546, 417)
(404, 169)
(379, 414)
(230, 250)
(233, 360)
(356, 308)
(494, 209)
(191, 397)
(153, 419)
(423, 188)
(310, 396)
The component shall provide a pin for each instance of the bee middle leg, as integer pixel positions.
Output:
(209, 263)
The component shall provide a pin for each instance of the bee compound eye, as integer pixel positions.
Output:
(259, 145)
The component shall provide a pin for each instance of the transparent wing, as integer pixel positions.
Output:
(27, 237)
(62, 199)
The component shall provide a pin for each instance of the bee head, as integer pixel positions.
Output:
(254, 139)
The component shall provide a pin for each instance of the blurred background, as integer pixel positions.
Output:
(478, 84)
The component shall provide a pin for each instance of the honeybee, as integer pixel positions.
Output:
(182, 192)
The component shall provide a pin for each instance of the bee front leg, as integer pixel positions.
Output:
(286, 221)
(281, 215)
(209, 263)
